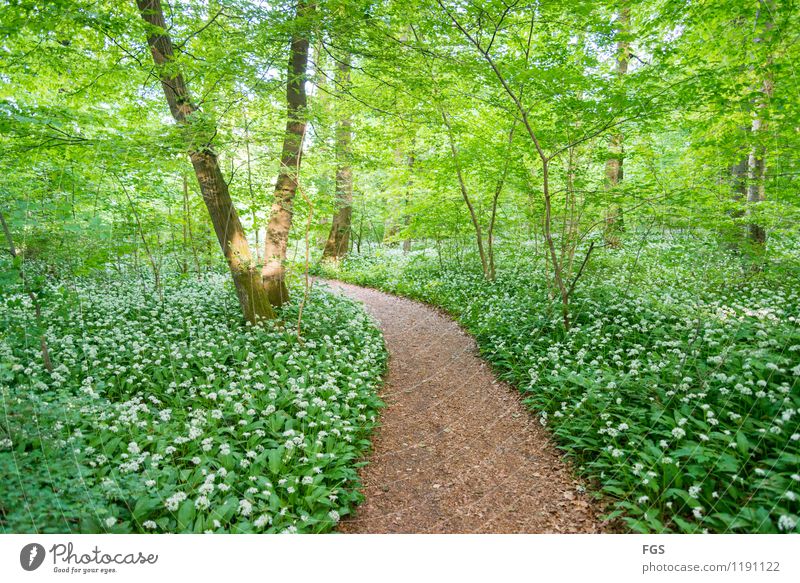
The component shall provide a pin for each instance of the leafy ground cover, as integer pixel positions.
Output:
(166, 414)
(676, 389)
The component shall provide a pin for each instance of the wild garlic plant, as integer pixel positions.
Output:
(174, 415)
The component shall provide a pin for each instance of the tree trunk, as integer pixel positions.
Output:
(339, 238)
(498, 189)
(739, 182)
(227, 226)
(250, 183)
(756, 166)
(465, 195)
(406, 201)
(614, 167)
(757, 170)
(280, 220)
(548, 237)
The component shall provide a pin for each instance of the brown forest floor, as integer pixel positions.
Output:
(457, 451)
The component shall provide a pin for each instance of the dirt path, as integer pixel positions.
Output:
(457, 451)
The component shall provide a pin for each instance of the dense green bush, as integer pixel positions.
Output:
(676, 389)
(168, 414)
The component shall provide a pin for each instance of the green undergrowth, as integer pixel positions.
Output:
(168, 414)
(675, 390)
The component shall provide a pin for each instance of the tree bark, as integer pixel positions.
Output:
(410, 160)
(614, 164)
(227, 226)
(756, 165)
(339, 237)
(280, 220)
(739, 181)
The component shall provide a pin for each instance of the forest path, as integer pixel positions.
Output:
(457, 451)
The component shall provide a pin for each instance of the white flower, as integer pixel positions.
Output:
(245, 507)
(149, 524)
(174, 501)
(678, 433)
(786, 523)
(334, 516)
(110, 521)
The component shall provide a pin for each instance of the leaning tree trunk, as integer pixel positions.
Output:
(280, 220)
(614, 168)
(339, 238)
(227, 226)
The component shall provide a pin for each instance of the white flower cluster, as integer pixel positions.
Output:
(154, 402)
(676, 384)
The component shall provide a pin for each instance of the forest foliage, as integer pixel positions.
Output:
(588, 185)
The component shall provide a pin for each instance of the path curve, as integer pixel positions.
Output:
(457, 451)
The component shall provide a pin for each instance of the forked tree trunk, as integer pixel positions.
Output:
(280, 220)
(339, 237)
(227, 226)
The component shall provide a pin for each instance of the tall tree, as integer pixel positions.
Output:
(614, 168)
(280, 220)
(339, 238)
(250, 290)
(756, 165)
